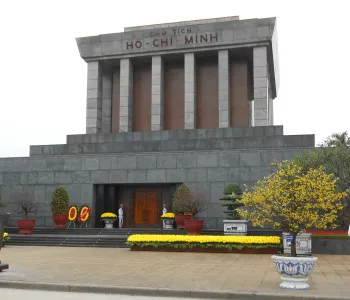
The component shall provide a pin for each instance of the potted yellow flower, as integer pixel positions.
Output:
(168, 220)
(108, 218)
(294, 201)
(5, 238)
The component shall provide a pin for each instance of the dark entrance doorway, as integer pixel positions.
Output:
(142, 203)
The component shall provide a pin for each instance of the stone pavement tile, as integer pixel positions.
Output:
(203, 271)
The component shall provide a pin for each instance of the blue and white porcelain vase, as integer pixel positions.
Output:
(294, 271)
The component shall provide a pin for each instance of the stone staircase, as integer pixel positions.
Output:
(95, 237)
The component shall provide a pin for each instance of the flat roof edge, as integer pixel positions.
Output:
(182, 23)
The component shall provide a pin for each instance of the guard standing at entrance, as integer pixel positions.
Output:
(120, 216)
(164, 212)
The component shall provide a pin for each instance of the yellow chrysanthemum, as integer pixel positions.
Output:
(108, 215)
(168, 215)
(166, 238)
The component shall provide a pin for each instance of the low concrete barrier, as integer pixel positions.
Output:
(331, 246)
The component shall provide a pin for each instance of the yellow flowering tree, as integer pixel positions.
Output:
(293, 200)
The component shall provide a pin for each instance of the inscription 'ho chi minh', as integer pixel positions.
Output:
(162, 41)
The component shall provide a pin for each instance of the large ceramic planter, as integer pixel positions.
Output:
(294, 271)
(235, 227)
(60, 220)
(168, 224)
(194, 227)
(303, 243)
(180, 220)
(109, 223)
(26, 226)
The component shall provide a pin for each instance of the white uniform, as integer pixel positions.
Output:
(164, 212)
(120, 216)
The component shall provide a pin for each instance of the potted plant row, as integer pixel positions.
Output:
(294, 200)
(187, 203)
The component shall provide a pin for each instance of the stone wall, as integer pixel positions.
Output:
(206, 159)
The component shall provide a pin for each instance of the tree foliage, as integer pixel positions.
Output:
(337, 140)
(198, 202)
(293, 200)
(334, 156)
(180, 198)
(60, 201)
(187, 200)
(232, 194)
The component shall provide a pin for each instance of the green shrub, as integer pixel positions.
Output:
(232, 194)
(181, 197)
(60, 201)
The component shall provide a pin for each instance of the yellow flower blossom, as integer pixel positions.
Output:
(294, 201)
(5, 236)
(108, 215)
(202, 239)
(168, 215)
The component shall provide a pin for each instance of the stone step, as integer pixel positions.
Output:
(68, 245)
(236, 143)
(117, 137)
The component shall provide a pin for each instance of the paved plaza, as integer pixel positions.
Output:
(108, 267)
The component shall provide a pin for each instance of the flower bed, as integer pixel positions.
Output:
(205, 243)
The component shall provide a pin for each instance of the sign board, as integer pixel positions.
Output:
(172, 37)
(303, 243)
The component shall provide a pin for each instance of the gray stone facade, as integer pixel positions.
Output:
(202, 158)
(207, 159)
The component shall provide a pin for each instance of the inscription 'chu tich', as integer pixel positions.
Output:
(199, 38)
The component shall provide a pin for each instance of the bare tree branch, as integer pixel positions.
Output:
(25, 204)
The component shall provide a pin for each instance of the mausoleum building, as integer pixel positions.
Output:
(188, 102)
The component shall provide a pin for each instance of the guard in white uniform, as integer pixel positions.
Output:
(164, 212)
(120, 216)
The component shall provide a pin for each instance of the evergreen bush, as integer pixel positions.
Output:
(232, 194)
(60, 201)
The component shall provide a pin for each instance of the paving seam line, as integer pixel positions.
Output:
(160, 292)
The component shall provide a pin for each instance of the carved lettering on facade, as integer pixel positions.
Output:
(160, 41)
(174, 32)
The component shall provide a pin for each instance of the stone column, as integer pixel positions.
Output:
(94, 94)
(251, 113)
(126, 95)
(261, 86)
(270, 105)
(157, 93)
(224, 89)
(190, 91)
(106, 103)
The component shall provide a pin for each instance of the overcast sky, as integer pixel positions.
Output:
(43, 78)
